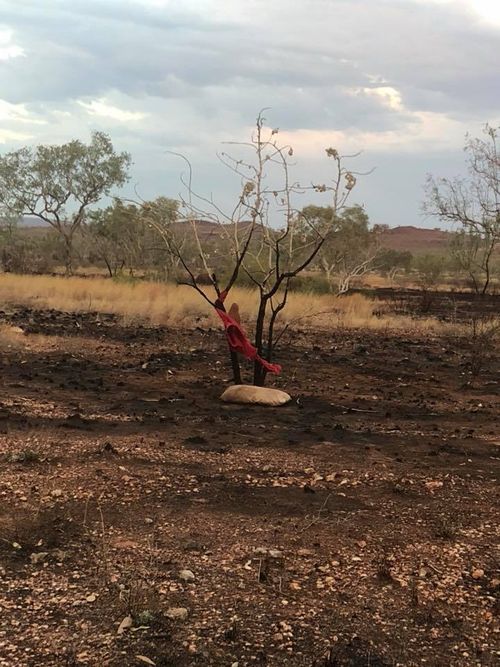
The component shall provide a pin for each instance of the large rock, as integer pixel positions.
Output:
(246, 393)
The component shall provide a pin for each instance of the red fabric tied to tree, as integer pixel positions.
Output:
(238, 341)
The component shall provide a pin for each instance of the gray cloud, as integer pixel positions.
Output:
(200, 71)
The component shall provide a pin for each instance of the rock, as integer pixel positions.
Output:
(145, 659)
(177, 613)
(91, 598)
(270, 553)
(148, 520)
(260, 551)
(186, 575)
(38, 557)
(477, 573)
(56, 493)
(240, 393)
(305, 552)
(125, 625)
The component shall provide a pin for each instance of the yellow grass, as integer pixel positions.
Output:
(166, 304)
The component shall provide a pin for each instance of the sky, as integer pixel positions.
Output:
(402, 81)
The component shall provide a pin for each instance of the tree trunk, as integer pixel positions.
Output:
(68, 242)
(235, 364)
(259, 373)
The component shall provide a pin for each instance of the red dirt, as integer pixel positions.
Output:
(376, 485)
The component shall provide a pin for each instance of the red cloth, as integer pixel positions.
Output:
(238, 341)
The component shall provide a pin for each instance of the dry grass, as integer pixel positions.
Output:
(165, 304)
(10, 337)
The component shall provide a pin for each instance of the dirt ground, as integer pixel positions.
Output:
(143, 522)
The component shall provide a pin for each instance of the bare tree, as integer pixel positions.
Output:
(474, 205)
(264, 234)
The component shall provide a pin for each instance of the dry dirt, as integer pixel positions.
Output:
(355, 526)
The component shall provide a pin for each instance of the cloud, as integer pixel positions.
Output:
(8, 49)
(101, 108)
(395, 78)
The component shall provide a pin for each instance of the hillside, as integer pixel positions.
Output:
(416, 239)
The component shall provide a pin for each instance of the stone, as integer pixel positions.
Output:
(186, 575)
(38, 557)
(245, 393)
(177, 613)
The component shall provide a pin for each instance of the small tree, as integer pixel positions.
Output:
(58, 183)
(429, 270)
(264, 234)
(113, 235)
(350, 249)
(474, 205)
(392, 262)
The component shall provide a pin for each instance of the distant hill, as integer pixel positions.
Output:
(416, 239)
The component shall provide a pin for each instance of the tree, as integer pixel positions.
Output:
(474, 205)
(58, 183)
(114, 234)
(429, 270)
(392, 262)
(350, 248)
(121, 238)
(264, 233)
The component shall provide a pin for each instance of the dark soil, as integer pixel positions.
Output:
(446, 306)
(355, 526)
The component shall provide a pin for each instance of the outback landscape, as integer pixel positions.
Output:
(145, 522)
(249, 359)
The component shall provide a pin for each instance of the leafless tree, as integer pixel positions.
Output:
(269, 241)
(474, 205)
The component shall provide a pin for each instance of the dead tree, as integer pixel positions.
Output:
(269, 241)
(474, 205)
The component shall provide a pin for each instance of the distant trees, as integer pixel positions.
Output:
(392, 262)
(351, 247)
(58, 184)
(474, 205)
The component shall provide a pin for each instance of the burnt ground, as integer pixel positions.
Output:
(355, 526)
(447, 306)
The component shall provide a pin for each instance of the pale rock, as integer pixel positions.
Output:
(177, 613)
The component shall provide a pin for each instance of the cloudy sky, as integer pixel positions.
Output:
(400, 80)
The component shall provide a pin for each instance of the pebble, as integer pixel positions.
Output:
(177, 613)
(186, 575)
(38, 557)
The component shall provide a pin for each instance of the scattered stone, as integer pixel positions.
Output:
(145, 660)
(477, 573)
(305, 552)
(126, 623)
(38, 557)
(260, 551)
(177, 613)
(186, 575)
